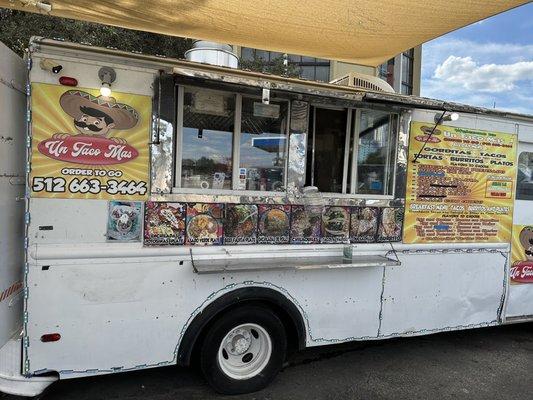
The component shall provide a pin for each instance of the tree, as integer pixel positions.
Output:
(17, 27)
(275, 66)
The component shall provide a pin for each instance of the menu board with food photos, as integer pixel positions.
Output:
(273, 223)
(172, 223)
(364, 224)
(205, 223)
(164, 223)
(335, 224)
(240, 224)
(306, 224)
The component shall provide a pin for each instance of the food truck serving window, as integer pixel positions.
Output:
(352, 151)
(232, 141)
(524, 188)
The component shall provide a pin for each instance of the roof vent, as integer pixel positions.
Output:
(364, 82)
(212, 53)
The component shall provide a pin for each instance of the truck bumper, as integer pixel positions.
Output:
(11, 379)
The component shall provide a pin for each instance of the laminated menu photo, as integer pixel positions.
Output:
(205, 223)
(240, 226)
(306, 224)
(364, 224)
(273, 224)
(164, 223)
(390, 226)
(335, 224)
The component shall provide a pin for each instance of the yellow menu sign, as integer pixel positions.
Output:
(87, 146)
(460, 185)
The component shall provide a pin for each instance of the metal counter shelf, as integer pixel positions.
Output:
(238, 264)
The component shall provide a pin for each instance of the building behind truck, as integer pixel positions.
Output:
(164, 211)
(402, 72)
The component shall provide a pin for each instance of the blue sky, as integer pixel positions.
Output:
(488, 62)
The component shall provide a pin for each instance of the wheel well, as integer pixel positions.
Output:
(288, 313)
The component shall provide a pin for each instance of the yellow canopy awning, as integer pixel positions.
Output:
(365, 32)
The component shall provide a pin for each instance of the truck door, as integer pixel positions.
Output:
(12, 161)
(520, 303)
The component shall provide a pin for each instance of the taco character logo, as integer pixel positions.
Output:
(522, 254)
(94, 118)
(89, 146)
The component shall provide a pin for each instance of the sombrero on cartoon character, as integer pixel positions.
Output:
(428, 129)
(96, 116)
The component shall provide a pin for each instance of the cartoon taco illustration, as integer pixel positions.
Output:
(97, 116)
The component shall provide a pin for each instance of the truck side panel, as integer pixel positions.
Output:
(122, 306)
(12, 171)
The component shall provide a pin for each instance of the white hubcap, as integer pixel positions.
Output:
(244, 351)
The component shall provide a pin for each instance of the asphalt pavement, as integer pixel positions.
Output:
(490, 363)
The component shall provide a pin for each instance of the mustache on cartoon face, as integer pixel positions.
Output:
(91, 127)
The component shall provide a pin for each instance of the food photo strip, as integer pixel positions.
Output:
(206, 224)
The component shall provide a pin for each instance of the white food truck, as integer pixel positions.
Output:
(158, 212)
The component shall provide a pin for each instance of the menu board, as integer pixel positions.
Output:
(173, 223)
(459, 185)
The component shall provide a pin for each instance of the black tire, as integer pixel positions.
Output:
(209, 364)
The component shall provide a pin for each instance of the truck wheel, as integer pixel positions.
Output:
(243, 350)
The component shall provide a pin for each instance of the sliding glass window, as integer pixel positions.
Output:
(263, 145)
(228, 141)
(375, 152)
(207, 137)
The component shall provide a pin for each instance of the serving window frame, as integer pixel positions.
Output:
(237, 132)
(353, 124)
(350, 160)
(394, 132)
